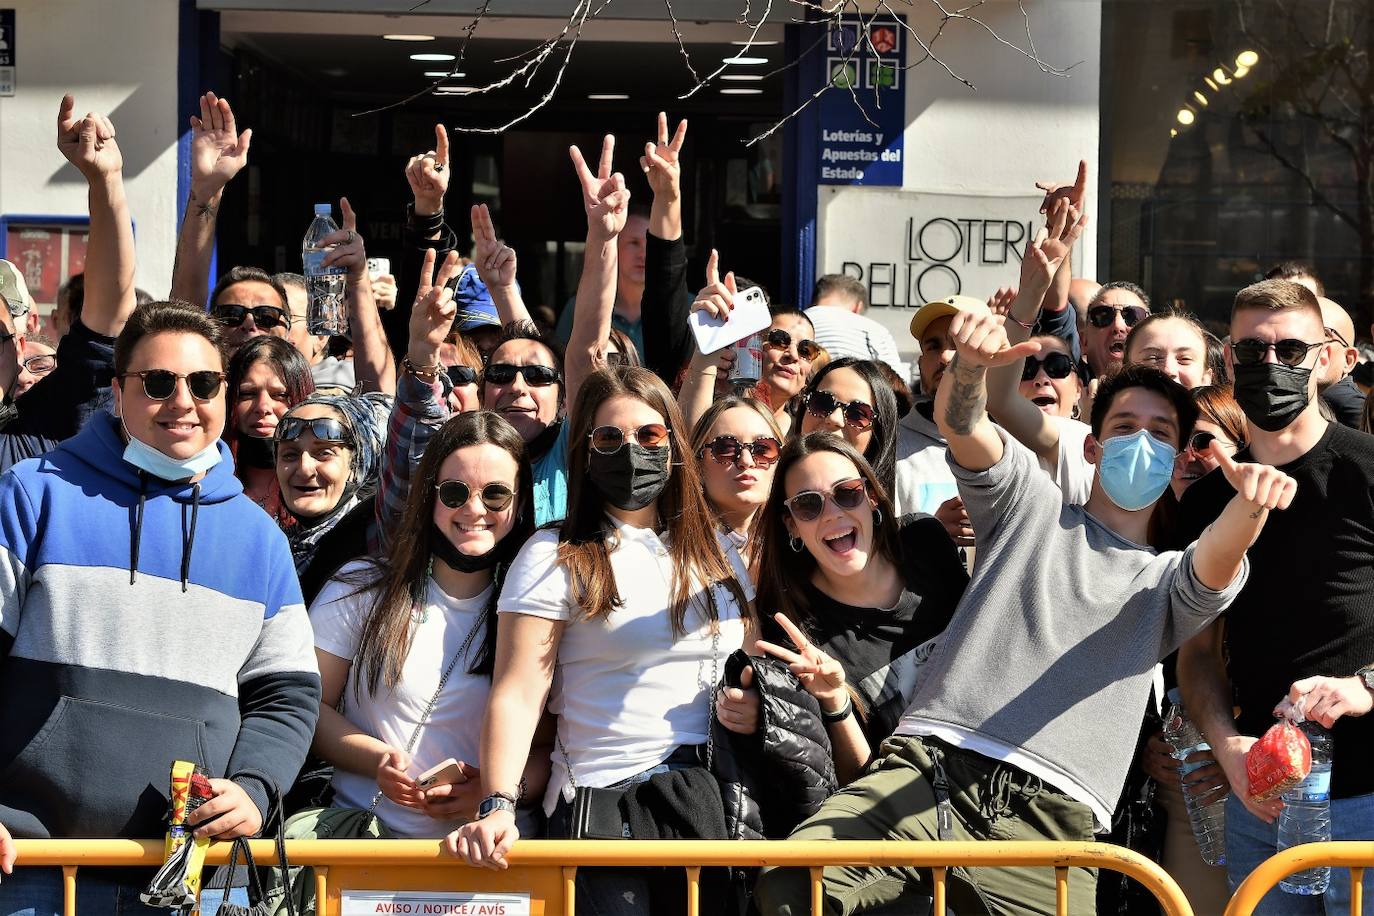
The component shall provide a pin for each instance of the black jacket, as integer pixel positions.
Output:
(776, 778)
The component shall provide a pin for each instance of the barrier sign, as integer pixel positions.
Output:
(432, 903)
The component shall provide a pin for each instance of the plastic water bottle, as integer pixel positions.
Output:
(326, 312)
(1209, 821)
(1306, 816)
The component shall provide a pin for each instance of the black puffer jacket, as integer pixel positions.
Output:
(776, 778)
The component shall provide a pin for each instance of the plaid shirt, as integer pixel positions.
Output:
(420, 409)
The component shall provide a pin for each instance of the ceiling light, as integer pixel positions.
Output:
(756, 43)
(1202, 99)
(1186, 116)
(1240, 72)
(452, 90)
(433, 57)
(408, 37)
(438, 73)
(1210, 84)
(742, 77)
(1173, 132)
(607, 96)
(745, 61)
(741, 92)
(335, 72)
(1220, 76)
(1247, 59)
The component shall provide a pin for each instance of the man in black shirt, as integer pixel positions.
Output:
(1304, 623)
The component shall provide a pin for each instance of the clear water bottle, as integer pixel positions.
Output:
(1306, 815)
(1209, 821)
(326, 312)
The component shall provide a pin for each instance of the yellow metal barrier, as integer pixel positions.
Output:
(546, 869)
(1354, 856)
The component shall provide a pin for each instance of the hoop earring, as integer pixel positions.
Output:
(877, 516)
(796, 543)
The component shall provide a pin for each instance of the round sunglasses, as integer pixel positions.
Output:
(778, 339)
(807, 505)
(608, 439)
(1101, 316)
(856, 413)
(504, 374)
(161, 384)
(456, 493)
(1251, 351)
(729, 450)
(1057, 365)
(266, 317)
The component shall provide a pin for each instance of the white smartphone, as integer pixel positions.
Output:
(378, 266)
(447, 773)
(749, 316)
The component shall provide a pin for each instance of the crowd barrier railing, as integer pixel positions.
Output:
(418, 878)
(1354, 856)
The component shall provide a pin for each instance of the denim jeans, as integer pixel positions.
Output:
(1249, 841)
(37, 891)
(627, 891)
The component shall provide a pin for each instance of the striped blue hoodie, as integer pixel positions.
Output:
(141, 622)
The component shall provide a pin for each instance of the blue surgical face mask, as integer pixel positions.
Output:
(1135, 469)
(146, 458)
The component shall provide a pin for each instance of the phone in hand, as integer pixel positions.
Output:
(378, 266)
(749, 316)
(446, 773)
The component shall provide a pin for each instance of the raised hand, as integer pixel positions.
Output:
(348, 249)
(1051, 245)
(495, 259)
(428, 175)
(661, 161)
(1264, 486)
(820, 675)
(218, 150)
(432, 316)
(1075, 193)
(999, 303)
(981, 340)
(604, 195)
(87, 142)
(716, 298)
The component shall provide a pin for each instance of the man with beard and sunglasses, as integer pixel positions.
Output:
(1115, 309)
(178, 633)
(1015, 730)
(1303, 626)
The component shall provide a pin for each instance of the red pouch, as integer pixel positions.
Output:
(1278, 761)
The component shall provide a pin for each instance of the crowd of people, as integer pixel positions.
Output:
(472, 576)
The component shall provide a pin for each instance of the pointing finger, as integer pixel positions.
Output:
(441, 143)
(713, 268)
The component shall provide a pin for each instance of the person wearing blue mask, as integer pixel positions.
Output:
(1025, 719)
(179, 633)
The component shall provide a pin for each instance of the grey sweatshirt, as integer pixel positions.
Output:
(1051, 650)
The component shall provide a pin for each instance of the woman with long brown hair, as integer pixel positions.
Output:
(621, 618)
(408, 641)
(860, 595)
(736, 443)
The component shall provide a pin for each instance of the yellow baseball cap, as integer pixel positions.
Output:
(942, 308)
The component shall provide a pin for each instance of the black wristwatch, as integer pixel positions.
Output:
(1366, 676)
(498, 801)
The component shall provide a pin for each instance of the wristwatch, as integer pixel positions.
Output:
(1366, 675)
(495, 802)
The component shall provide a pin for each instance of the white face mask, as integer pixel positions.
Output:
(146, 458)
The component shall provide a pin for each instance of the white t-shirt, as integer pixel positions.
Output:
(1073, 473)
(453, 729)
(626, 690)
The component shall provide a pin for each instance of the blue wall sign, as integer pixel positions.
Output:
(865, 59)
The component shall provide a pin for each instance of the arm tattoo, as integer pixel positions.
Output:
(968, 396)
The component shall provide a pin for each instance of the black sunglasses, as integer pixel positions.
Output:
(856, 413)
(266, 317)
(161, 384)
(1290, 352)
(462, 375)
(456, 493)
(1057, 365)
(608, 439)
(1101, 316)
(326, 429)
(807, 505)
(504, 374)
(729, 450)
(779, 339)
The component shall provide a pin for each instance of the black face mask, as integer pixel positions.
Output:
(443, 550)
(1272, 395)
(253, 452)
(632, 477)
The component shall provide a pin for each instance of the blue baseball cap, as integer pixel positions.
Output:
(475, 308)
